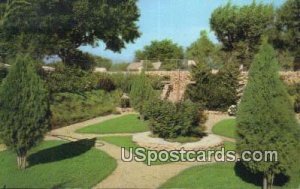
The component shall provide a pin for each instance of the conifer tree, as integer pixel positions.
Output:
(141, 92)
(24, 108)
(266, 120)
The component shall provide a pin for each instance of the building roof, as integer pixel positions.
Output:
(156, 65)
(135, 66)
(100, 69)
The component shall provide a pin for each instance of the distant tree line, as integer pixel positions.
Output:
(238, 30)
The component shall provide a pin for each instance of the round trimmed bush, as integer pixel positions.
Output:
(169, 120)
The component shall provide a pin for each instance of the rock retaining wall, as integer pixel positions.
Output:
(180, 79)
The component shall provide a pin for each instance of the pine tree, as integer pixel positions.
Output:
(141, 92)
(24, 108)
(266, 120)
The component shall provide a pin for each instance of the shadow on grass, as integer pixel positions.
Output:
(61, 152)
(60, 185)
(257, 179)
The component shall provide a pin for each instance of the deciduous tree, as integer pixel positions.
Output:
(239, 29)
(51, 27)
(203, 51)
(166, 51)
(286, 35)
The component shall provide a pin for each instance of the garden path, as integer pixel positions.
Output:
(130, 174)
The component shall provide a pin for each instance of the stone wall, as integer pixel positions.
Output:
(175, 88)
(290, 77)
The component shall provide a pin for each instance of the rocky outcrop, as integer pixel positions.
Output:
(166, 91)
(175, 88)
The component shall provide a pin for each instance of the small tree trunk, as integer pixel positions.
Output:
(270, 180)
(142, 117)
(265, 183)
(22, 161)
(18, 161)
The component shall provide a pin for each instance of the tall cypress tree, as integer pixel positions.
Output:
(141, 91)
(24, 108)
(266, 120)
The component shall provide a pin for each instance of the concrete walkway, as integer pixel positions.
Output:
(129, 174)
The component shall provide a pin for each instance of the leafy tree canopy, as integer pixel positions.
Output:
(203, 51)
(287, 25)
(164, 51)
(286, 36)
(240, 28)
(60, 27)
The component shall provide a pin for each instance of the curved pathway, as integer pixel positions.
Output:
(130, 174)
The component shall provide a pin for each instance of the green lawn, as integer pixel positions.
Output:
(225, 128)
(218, 176)
(122, 141)
(124, 124)
(229, 145)
(55, 164)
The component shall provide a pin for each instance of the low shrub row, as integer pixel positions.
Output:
(70, 79)
(73, 79)
(171, 120)
(68, 108)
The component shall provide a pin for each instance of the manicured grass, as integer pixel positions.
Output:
(225, 128)
(219, 176)
(124, 124)
(229, 146)
(55, 164)
(122, 141)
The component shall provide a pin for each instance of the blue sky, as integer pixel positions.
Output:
(178, 20)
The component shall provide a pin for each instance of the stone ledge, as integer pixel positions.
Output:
(144, 139)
